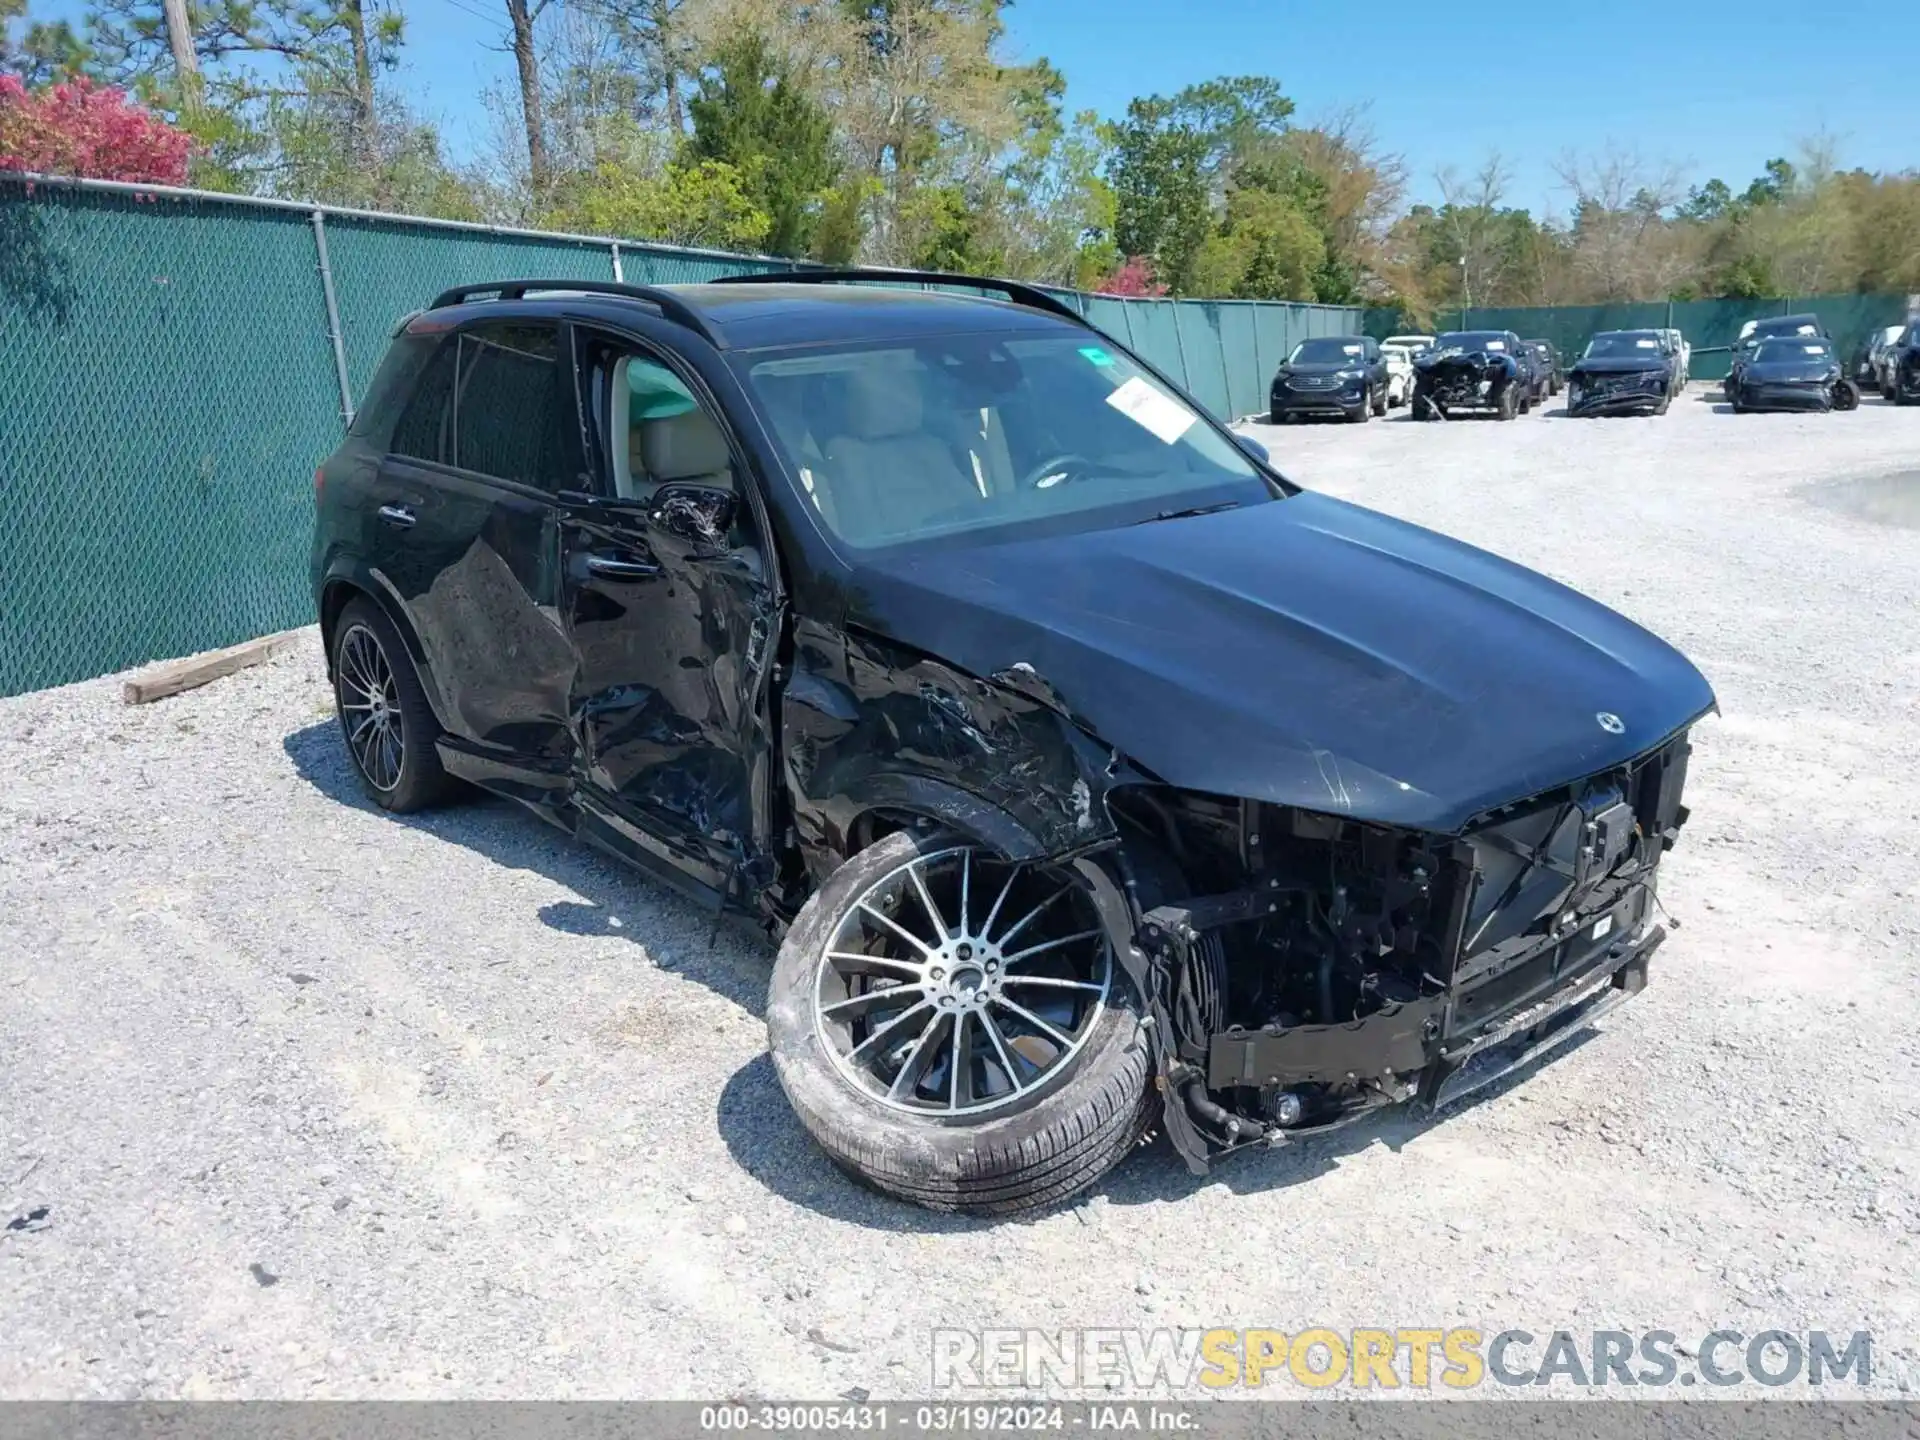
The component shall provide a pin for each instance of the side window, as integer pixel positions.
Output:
(654, 429)
(513, 406)
(423, 430)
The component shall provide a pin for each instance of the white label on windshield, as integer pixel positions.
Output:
(1352, 350)
(1496, 344)
(1647, 344)
(1804, 330)
(1814, 349)
(1163, 417)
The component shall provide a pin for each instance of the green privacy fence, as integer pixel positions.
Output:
(1708, 325)
(172, 368)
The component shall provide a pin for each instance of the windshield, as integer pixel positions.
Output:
(1625, 343)
(1785, 327)
(902, 441)
(1774, 351)
(1331, 351)
(1493, 340)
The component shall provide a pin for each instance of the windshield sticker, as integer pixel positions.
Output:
(1647, 344)
(1804, 330)
(1353, 350)
(1161, 416)
(1096, 355)
(1496, 344)
(1814, 349)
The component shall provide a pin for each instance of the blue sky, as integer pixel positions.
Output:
(1716, 88)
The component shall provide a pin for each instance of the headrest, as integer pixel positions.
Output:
(881, 403)
(683, 447)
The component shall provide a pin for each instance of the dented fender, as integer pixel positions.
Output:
(869, 725)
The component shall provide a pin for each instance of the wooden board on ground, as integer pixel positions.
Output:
(170, 677)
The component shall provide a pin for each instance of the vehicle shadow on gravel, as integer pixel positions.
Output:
(614, 901)
(767, 1142)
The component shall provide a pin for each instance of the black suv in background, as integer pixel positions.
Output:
(1085, 767)
(1549, 372)
(1332, 375)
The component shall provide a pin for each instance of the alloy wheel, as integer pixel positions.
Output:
(961, 983)
(370, 708)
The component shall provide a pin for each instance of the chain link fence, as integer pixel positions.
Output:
(171, 372)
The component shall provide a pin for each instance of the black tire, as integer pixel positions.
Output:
(1380, 404)
(1423, 406)
(1846, 396)
(419, 783)
(1505, 407)
(1076, 1129)
(1358, 416)
(1666, 401)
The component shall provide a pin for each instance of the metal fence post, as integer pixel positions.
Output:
(619, 275)
(1180, 345)
(333, 319)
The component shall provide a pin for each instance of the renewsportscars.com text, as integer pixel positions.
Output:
(1417, 1358)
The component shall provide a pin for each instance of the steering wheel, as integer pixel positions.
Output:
(1054, 470)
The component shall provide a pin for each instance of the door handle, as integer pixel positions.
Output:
(398, 516)
(608, 568)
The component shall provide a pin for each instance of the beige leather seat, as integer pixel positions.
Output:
(885, 473)
(689, 448)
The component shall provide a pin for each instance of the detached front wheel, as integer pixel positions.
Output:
(954, 1030)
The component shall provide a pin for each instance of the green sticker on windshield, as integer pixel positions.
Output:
(1096, 355)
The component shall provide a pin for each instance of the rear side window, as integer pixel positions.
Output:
(424, 432)
(512, 410)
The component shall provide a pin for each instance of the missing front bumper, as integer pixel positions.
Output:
(1439, 1049)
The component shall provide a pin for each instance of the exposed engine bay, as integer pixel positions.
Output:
(1452, 380)
(1319, 967)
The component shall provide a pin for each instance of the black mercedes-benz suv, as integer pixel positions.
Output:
(1086, 769)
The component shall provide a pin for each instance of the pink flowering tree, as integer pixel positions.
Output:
(1133, 279)
(79, 128)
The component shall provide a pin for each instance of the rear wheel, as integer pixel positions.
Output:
(953, 1029)
(384, 715)
(1504, 406)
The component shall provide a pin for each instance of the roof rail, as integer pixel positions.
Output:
(670, 305)
(1031, 296)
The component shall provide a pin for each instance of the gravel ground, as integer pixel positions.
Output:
(319, 1102)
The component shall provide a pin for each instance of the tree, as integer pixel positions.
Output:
(1133, 279)
(46, 50)
(79, 128)
(752, 114)
(643, 192)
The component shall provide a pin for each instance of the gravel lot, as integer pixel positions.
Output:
(319, 1102)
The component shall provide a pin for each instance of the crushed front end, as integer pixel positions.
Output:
(1316, 968)
(1634, 392)
(1458, 381)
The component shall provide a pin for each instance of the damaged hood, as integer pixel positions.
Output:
(1305, 652)
(1620, 365)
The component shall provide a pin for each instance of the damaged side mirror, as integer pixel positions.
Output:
(699, 516)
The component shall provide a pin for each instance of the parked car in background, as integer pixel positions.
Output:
(1472, 370)
(1793, 372)
(1342, 375)
(1806, 326)
(1399, 372)
(1871, 373)
(1623, 372)
(1900, 367)
(1547, 360)
(784, 592)
(1682, 353)
(1414, 345)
